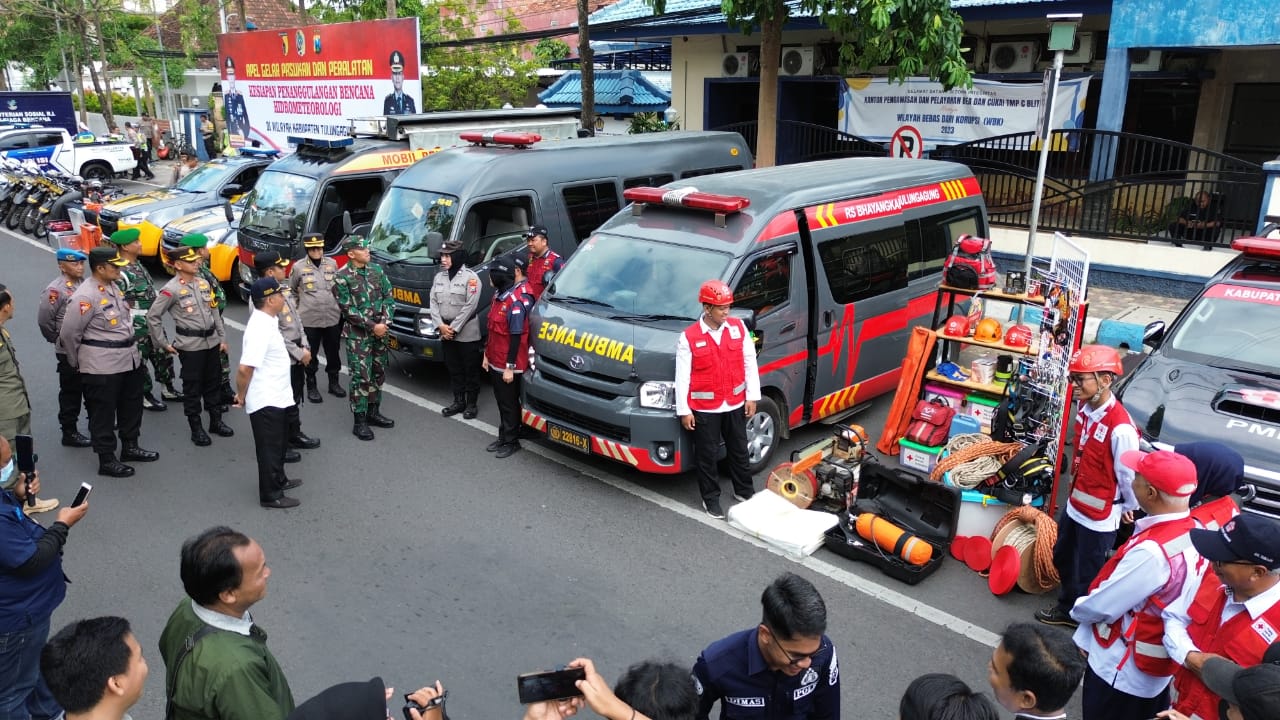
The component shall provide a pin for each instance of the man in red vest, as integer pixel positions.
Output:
(542, 259)
(717, 387)
(1101, 491)
(1234, 612)
(1121, 628)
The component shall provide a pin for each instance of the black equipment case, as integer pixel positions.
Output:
(929, 510)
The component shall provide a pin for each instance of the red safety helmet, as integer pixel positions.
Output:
(957, 326)
(715, 292)
(1018, 336)
(1096, 358)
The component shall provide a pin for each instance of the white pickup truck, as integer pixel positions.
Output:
(53, 146)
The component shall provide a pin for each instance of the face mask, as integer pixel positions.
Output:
(6, 472)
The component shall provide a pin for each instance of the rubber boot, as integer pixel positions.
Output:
(217, 427)
(198, 435)
(109, 466)
(334, 388)
(457, 406)
(313, 392)
(361, 427)
(471, 412)
(131, 451)
(377, 419)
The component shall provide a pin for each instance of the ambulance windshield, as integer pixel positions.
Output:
(642, 278)
(280, 204)
(405, 221)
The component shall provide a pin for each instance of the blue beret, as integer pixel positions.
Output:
(70, 255)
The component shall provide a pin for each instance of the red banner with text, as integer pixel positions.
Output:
(311, 80)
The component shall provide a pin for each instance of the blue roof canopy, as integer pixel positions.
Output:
(618, 92)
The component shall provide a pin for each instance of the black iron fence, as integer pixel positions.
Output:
(1097, 182)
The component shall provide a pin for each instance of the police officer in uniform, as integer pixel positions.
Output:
(311, 281)
(270, 264)
(140, 291)
(97, 334)
(397, 103)
(542, 259)
(200, 244)
(364, 296)
(49, 318)
(455, 296)
(506, 352)
(233, 103)
(199, 337)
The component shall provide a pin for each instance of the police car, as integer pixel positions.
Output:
(54, 147)
(215, 224)
(1215, 372)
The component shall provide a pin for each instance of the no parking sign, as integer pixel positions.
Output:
(907, 142)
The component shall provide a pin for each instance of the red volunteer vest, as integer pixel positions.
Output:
(1093, 490)
(717, 375)
(500, 339)
(1146, 633)
(1241, 640)
(1215, 513)
(538, 267)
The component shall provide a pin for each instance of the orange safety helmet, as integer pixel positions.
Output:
(715, 292)
(957, 326)
(1096, 358)
(989, 330)
(1018, 336)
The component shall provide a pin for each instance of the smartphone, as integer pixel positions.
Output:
(554, 685)
(85, 489)
(24, 451)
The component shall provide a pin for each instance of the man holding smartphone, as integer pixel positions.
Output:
(15, 407)
(32, 586)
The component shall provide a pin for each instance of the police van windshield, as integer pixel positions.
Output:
(1240, 328)
(625, 276)
(404, 220)
(280, 204)
(205, 178)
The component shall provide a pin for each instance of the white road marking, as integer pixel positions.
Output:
(853, 581)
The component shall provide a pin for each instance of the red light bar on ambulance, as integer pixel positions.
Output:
(514, 139)
(688, 198)
(1257, 247)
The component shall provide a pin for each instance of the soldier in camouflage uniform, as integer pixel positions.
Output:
(364, 296)
(139, 292)
(200, 243)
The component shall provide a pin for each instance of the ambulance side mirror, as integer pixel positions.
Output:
(548, 277)
(748, 318)
(1153, 334)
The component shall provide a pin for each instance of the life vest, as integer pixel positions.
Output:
(1241, 639)
(717, 375)
(1093, 489)
(1145, 635)
(1215, 513)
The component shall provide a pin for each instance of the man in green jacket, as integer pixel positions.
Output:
(228, 674)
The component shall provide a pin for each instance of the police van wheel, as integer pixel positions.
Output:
(764, 432)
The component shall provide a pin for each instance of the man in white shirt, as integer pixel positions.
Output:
(717, 388)
(266, 393)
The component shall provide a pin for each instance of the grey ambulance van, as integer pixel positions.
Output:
(836, 261)
(487, 194)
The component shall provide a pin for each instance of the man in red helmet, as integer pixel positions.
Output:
(717, 387)
(1101, 485)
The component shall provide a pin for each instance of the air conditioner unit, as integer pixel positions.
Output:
(1144, 60)
(1014, 57)
(797, 61)
(1082, 52)
(735, 64)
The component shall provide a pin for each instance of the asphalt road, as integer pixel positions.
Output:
(419, 556)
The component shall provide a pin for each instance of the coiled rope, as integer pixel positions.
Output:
(972, 458)
(1037, 529)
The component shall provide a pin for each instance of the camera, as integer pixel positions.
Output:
(413, 705)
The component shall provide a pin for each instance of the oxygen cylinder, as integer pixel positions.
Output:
(893, 539)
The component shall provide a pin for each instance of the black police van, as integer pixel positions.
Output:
(1215, 372)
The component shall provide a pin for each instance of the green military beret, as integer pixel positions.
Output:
(355, 242)
(124, 237)
(195, 240)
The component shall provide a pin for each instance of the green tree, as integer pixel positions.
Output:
(918, 37)
(549, 50)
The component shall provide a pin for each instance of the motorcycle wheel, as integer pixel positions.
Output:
(41, 230)
(30, 219)
(14, 217)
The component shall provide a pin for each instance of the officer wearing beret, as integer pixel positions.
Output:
(270, 264)
(311, 281)
(49, 317)
(397, 103)
(364, 296)
(455, 297)
(201, 245)
(97, 334)
(199, 337)
(234, 106)
(139, 292)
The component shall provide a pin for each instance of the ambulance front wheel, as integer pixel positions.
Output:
(764, 432)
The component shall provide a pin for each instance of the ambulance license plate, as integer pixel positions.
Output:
(565, 436)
